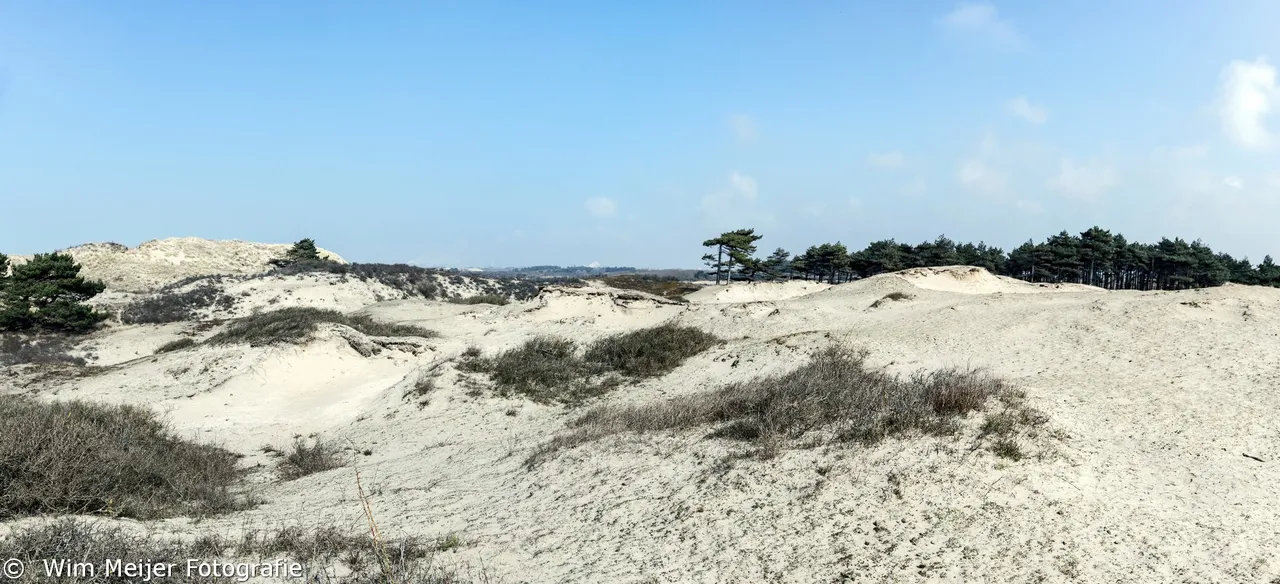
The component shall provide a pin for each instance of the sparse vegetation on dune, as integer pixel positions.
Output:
(891, 297)
(835, 396)
(669, 288)
(176, 345)
(324, 552)
(552, 369)
(303, 458)
(416, 281)
(297, 324)
(171, 306)
(481, 299)
(77, 457)
(20, 349)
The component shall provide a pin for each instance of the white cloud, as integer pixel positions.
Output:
(917, 187)
(744, 185)
(980, 172)
(593, 265)
(744, 128)
(1023, 108)
(981, 20)
(889, 160)
(601, 207)
(1032, 207)
(1234, 182)
(1249, 93)
(1084, 181)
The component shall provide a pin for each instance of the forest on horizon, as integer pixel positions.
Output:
(1096, 257)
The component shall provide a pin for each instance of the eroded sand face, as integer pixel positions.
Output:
(1153, 400)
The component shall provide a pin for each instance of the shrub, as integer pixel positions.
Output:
(549, 369)
(176, 345)
(650, 352)
(481, 299)
(296, 325)
(18, 349)
(303, 459)
(835, 392)
(304, 251)
(669, 288)
(544, 369)
(77, 457)
(166, 307)
(48, 293)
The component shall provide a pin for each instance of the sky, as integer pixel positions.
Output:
(511, 133)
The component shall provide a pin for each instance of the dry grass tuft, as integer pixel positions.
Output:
(302, 459)
(669, 288)
(891, 297)
(835, 393)
(77, 457)
(176, 345)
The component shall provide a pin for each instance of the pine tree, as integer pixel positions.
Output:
(302, 252)
(48, 293)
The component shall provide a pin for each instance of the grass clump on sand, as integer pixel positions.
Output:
(669, 288)
(172, 306)
(295, 325)
(329, 555)
(551, 369)
(835, 394)
(481, 299)
(21, 349)
(302, 459)
(649, 352)
(891, 297)
(176, 345)
(77, 457)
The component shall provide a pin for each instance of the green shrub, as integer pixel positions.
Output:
(296, 325)
(77, 457)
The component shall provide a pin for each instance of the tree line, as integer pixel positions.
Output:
(1096, 257)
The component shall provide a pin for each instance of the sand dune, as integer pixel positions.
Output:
(1154, 399)
(162, 261)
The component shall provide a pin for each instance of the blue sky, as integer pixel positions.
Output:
(516, 133)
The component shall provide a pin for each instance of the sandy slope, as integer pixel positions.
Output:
(162, 261)
(1154, 399)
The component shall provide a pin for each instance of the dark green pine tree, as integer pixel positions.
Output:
(48, 293)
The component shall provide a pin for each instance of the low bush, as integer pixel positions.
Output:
(296, 325)
(20, 349)
(649, 352)
(176, 345)
(481, 299)
(78, 457)
(835, 392)
(550, 369)
(669, 288)
(171, 306)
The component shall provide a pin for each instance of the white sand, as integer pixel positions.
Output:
(1154, 398)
